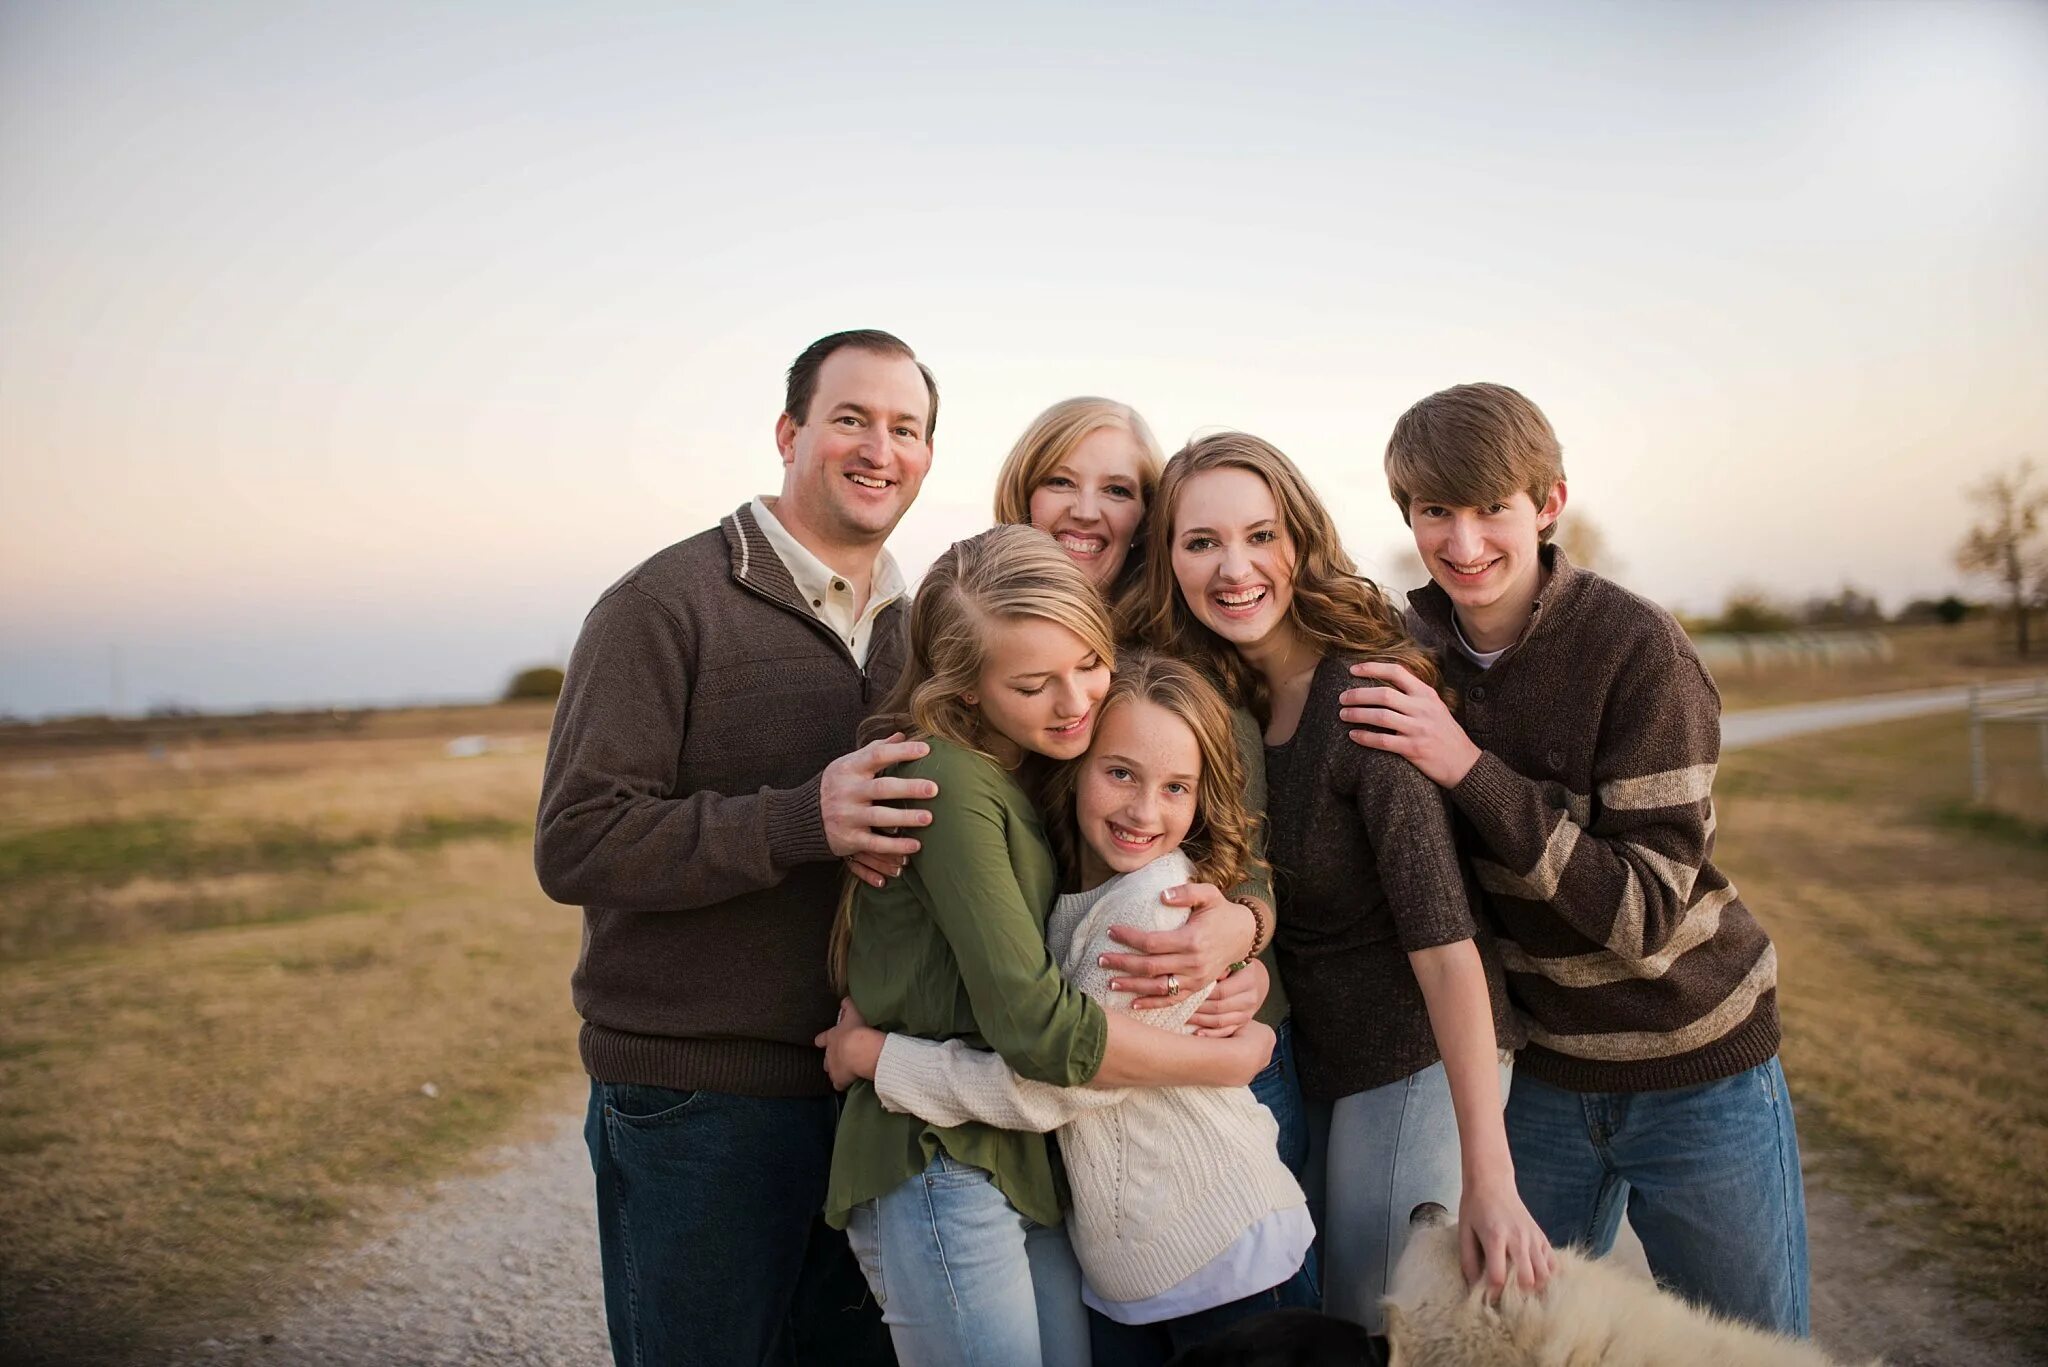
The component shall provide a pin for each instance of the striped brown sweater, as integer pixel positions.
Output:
(1590, 817)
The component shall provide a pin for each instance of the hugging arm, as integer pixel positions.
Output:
(952, 1083)
(614, 831)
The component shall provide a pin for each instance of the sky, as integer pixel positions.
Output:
(348, 352)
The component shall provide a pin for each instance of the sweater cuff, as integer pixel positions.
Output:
(1491, 794)
(796, 824)
(896, 1076)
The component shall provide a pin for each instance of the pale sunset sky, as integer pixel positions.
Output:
(348, 351)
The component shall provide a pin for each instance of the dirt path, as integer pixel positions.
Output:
(500, 1266)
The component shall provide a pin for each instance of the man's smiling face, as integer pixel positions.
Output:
(853, 466)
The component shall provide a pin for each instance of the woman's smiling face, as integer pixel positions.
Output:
(1093, 501)
(1232, 556)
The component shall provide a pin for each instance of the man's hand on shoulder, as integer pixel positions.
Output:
(1413, 723)
(851, 794)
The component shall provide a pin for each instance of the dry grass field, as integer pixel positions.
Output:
(229, 971)
(1913, 935)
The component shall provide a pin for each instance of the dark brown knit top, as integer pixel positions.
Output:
(1365, 864)
(680, 810)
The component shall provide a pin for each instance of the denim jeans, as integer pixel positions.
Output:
(964, 1279)
(1278, 1089)
(1383, 1152)
(1710, 1176)
(708, 1220)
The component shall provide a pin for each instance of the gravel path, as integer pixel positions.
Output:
(501, 1266)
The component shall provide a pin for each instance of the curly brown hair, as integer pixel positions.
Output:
(1221, 842)
(1336, 609)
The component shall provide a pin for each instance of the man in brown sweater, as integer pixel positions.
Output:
(702, 787)
(1581, 764)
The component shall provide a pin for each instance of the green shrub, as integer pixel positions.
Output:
(542, 681)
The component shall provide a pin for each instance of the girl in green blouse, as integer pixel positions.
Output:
(956, 1228)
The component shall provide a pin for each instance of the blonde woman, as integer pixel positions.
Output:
(1087, 471)
(955, 1226)
(1399, 1008)
(1084, 472)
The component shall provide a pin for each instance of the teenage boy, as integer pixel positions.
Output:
(698, 799)
(1581, 763)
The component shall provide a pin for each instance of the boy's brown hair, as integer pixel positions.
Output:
(1469, 445)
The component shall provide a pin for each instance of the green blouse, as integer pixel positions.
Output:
(955, 949)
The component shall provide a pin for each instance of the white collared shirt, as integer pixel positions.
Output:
(829, 592)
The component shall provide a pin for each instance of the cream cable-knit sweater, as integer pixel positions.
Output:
(1163, 1178)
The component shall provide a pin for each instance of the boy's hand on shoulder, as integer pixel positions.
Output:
(1411, 721)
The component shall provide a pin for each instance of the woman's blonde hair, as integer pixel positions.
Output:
(1337, 610)
(1051, 439)
(1220, 843)
(1003, 574)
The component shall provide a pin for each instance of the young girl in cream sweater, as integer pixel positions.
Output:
(1184, 1219)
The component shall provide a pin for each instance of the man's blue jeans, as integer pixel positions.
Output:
(708, 1219)
(1709, 1174)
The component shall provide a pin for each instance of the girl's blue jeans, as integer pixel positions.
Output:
(963, 1278)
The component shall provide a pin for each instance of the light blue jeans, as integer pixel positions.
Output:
(1375, 1156)
(1709, 1174)
(966, 1281)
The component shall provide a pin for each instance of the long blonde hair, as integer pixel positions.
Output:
(1220, 843)
(1000, 575)
(1050, 439)
(1337, 610)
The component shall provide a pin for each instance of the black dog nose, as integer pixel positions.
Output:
(1428, 1213)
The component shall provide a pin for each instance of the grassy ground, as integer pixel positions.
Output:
(1913, 934)
(229, 971)
(1978, 651)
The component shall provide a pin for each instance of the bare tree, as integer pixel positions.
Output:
(1585, 544)
(2003, 547)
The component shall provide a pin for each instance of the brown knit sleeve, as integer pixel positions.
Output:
(1625, 878)
(613, 829)
(1408, 821)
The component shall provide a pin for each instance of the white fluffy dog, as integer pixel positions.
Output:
(1590, 1313)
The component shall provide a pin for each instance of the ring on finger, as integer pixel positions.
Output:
(1173, 984)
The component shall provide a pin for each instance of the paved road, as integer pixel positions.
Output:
(1759, 726)
(501, 1267)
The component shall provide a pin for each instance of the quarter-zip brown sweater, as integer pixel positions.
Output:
(680, 810)
(1590, 818)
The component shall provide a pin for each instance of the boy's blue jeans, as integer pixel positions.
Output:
(1709, 1175)
(708, 1219)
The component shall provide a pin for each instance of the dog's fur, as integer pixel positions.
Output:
(1589, 1313)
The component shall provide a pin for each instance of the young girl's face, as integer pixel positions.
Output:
(1135, 799)
(1039, 689)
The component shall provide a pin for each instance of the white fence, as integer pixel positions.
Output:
(1727, 652)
